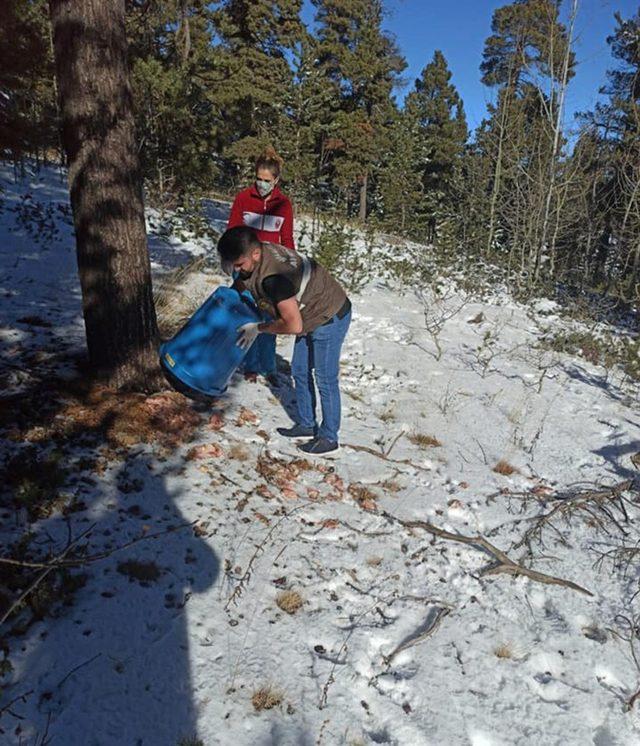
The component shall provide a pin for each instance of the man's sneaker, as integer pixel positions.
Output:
(297, 431)
(319, 447)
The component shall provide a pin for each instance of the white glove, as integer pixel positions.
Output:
(247, 335)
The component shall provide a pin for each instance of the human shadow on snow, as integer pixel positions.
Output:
(282, 388)
(112, 665)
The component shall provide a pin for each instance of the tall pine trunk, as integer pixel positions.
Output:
(362, 209)
(105, 183)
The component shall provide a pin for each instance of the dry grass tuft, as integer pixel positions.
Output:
(266, 698)
(504, 467)
(424, 441)
(387, 416)
(239, 452)
(365, 497)
(391, 485)
(174, 303)
(289, 601)
(504, 650)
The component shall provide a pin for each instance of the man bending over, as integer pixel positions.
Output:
(301, 298)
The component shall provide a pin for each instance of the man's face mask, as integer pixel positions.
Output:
(245, 266)
(265, 186)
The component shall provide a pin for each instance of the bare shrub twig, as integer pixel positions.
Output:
(596, 505)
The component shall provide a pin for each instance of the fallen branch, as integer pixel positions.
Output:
(48, 568)
(377, 454)
(45, 740)
(632, 700)
(426, 630)
(77, 668)
(504, 563)
(7, 707)
(395, 440)
(59, 561)
(630, 636)
(331, 523)
(622, 557)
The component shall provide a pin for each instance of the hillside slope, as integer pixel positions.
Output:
(455, 416)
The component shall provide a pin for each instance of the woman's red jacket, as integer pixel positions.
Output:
(272, 217)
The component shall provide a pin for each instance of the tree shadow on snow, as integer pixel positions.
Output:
(613, 454)
(602, 382)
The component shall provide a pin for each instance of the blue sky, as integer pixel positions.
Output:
(460, 27)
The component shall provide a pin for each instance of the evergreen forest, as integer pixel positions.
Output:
(531, 197)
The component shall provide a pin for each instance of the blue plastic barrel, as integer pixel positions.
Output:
(201, 358)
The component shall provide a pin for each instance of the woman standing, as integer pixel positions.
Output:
(263, 207)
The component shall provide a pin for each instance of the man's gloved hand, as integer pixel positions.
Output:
(247, 334)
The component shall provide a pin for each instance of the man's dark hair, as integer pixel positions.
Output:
(237, 242)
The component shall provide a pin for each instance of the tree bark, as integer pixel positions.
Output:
(362, 210)
(105, 183)
(186, 31)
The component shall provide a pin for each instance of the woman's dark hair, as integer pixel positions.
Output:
(270, 160)
(237, 242)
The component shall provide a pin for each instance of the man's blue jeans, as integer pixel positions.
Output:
(319, 352)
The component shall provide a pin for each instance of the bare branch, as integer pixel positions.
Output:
(431, 625)
(503, 563)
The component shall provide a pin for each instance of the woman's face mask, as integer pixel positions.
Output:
(265, 186)
(265, 181)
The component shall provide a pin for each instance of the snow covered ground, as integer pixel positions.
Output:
(401, 637)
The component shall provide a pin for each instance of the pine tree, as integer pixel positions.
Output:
(442, 127)
(106, 189)
(473, 202)
(529, 59)
(615, 125)
(172, 57)
(363, 63)
(252, 75)
(306, 127)
(400, 186)
(618, 118)
(587, 237)
(28, 114)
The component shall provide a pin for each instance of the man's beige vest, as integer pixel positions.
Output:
(322, 298)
